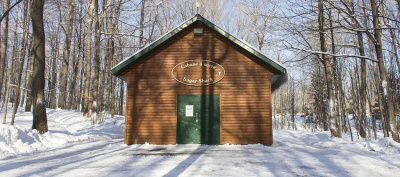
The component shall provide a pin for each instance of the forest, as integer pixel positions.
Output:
(342, 56)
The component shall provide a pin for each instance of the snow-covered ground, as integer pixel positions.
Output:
(73, 147)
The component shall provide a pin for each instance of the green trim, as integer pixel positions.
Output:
(128, 62)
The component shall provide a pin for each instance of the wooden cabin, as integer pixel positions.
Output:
(198, 84)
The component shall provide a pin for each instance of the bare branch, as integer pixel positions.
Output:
(334, 55)
(9, 9)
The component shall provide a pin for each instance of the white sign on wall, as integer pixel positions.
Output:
(189, 110)
(198, 72)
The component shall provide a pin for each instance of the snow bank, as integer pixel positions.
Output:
(323, 139)
(64, 127)
(387, 145)
(15, 140)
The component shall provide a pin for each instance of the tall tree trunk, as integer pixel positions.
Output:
(80, 102)
(292, 104)
(3, 45)
(38, 50)
(373, 117)
(328, 71)
(355, 96)
(96, 61)
(80, 62)
(114, 58)
(335, 81)
(65, 62)
(109, 59)
(20, 68)
(342, 100)
(387, 95)
(24, 92)
(379, 93)
(53, 73)
(75, 64)
(28, 105)
(88, 56)
(363, 87)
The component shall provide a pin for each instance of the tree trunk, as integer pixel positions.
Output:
(292, 104)
(328, 71)
(80, 62)
(88, 56)
(110, 60)
(114, 59)
(38, 50)
(65, 62)
(382, 70)
(373, 117)
(75, 64)
(96, 61)
(379, 93)
(3, 45)
(53, 81)
(25, 85)
(363, 86)
(335, 81)
(28, 105)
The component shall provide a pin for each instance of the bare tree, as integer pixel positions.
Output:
(28, 104)
(3, 44)
(328, 71)
(38, 51)
(66, 53)
(96, 62)
(88, 58)
(377, 23)
(8, 9)
(259, 13)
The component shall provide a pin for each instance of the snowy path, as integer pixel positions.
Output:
(289, 157)
(73, 147)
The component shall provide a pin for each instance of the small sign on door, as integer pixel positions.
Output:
(189, 110)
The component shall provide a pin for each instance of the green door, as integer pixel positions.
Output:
(198, 119)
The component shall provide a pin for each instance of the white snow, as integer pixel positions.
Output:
(64, 127)
(73, 147)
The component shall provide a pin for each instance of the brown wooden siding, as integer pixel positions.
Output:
(245, 92)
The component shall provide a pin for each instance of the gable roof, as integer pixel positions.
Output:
(139, 55)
